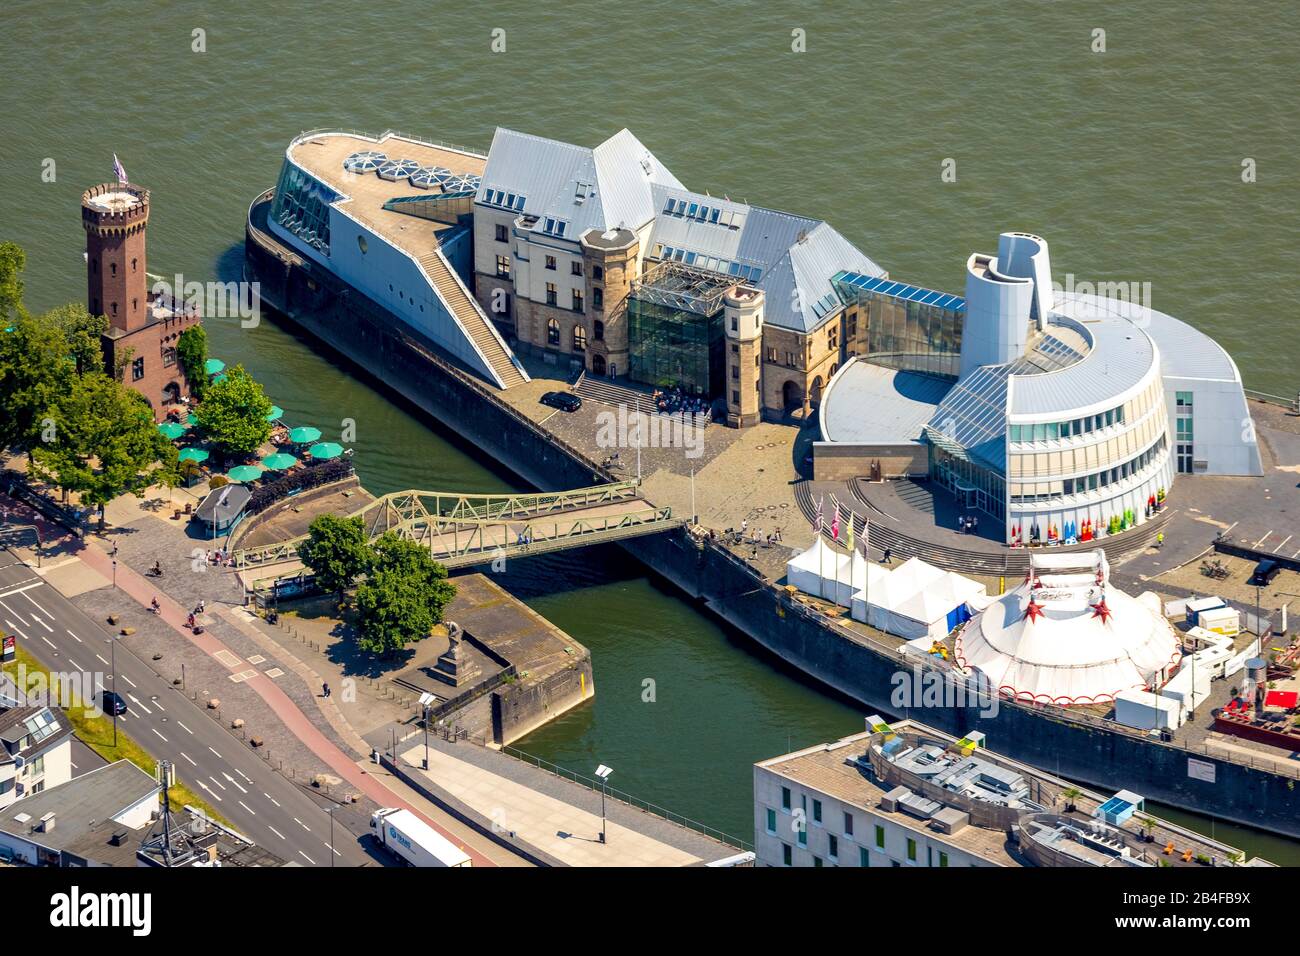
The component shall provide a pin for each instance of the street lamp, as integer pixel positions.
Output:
(112, 653)
(603, 773)
(115, 572)
(330, 811)
(426, 701)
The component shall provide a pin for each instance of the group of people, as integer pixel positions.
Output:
(220, 557)
(672, 402)
(192, 622)
(968, 524)
(755, 537)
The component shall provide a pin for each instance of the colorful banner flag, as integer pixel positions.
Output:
(835, 524)
(118, 171)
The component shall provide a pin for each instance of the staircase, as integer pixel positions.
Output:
(611, 392)
(473, 320)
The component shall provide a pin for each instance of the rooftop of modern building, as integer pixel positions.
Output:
(834, 769)
(900, 404)
(28, 728)
(79, 805)
(323, 153)
(1120, 358)
(924, 758)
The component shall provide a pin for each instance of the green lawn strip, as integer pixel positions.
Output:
(96, 732)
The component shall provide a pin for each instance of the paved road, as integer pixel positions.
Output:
(273, 812)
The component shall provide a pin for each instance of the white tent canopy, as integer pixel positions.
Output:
(913, 600)
(1082, 642)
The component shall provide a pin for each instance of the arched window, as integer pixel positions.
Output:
(133, 262)
(552, 332)
(598, 331)
(579, 339)
(112, 268)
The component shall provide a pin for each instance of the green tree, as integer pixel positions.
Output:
(192, 353)
(336, 551)
(81, 332)
(402, 597)
(12, 262)
(104, 442)
(233, 413)
(34, 374)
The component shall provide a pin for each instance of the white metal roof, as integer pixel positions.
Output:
(603, 188)
(871, 404)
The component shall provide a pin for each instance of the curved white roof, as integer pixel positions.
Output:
(1083, 642)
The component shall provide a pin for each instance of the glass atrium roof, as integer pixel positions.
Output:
(431, 177)
(396, 169)
(365, 161)
(900, 290)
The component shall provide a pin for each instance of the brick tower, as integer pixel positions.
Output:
(115, 216)
(142, 329)
(743, 315)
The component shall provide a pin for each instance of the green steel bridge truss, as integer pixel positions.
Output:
(467, 529)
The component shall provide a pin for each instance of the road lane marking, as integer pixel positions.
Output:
(307, 858)
(217, 782)
(186, 729)
(301, 824)
(160, 736)
(128, 680)
(334, 851)
(246, 807)
(74, 636)
(233, 781)
(271, 798)
(219, 755)
(101, 657)
(244, 775)
(48, 641)
(26, 587)
(187, 757)
(210, 791)
(75, 665)
(275, 831)
(14, 613)
(140, 705)
(1278, 549)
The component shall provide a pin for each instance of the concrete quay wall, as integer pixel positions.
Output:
(360, 330)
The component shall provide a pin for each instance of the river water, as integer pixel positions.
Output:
(1128, 161)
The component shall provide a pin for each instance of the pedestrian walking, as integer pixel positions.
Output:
(888, 556)
(1160, 539)
(324, 690)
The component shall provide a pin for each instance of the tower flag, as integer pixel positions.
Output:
(118, 171)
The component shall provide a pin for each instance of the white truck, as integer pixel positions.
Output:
(414, 841)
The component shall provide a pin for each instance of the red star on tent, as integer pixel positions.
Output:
(1034, 611)
(1101, 610)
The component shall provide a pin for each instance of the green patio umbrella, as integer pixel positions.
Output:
(213, 366)
(243, 473)
(219, 378)
(279, 461)
(172, 430)
(304, 435)
(193, 454)
(192, 419)
(325, 449)
(275, 414)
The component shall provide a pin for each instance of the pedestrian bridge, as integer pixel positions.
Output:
(461, 530)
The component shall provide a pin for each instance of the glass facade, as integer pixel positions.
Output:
(670, 347)
(973, 486)
(302, 206)
(914, 330)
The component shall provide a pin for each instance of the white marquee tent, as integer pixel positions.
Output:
(913, 600)
(1066, 636)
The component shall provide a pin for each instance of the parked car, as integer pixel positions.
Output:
(112, 703)
(564, 401)
(1264, 573)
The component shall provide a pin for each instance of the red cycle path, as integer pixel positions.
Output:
(139, 588)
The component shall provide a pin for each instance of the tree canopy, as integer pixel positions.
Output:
(403, 596)
(192, 353)
(103, 442)
(336, 551)
(233, 413)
